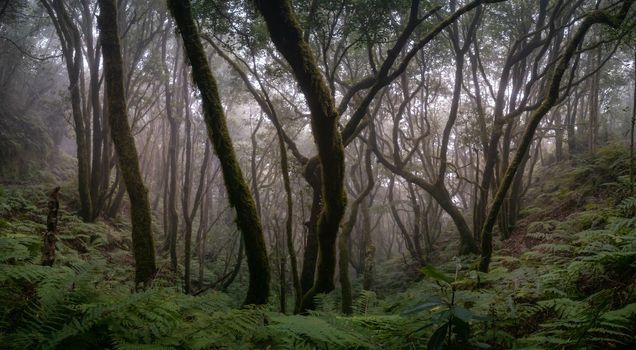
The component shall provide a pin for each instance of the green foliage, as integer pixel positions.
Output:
(24, 142)
(14, 201)
(571, 288)
(435, 274)
(79, 303)
(301, 332)
(449, 316)
(365, 302)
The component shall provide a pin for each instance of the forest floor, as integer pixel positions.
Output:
(566, 279)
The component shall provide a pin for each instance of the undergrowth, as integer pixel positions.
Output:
(573, 287)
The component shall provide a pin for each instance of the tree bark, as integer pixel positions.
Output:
(172, 218)
(571, 125)
(143, 245)
(239, 195)
(289, 221)
(287, 37)
(310, 256)
(519, 52)
(593, 101)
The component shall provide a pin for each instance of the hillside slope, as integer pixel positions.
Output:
(565, 280)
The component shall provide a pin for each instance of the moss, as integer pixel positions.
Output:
(240, 198)
(287, 36)
(143, 242)
(543, 226)
(586, 220)
(529, 211)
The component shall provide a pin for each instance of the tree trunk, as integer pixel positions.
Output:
(310, 257)
(594, 102)
(202, 235)
(237, 267)
(239, 195)
(631, 134)
(558, 136)
(289, 221)
(172, 218)
(282, 273)
(187, 183)
(93, 59)
(253, 165)
(116, 201)
(143, 245)
(369, 247)
(287, 36)
(408, 242)
(571, 126)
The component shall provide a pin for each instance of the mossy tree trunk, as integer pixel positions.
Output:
(203, 228)
(143, 245)
(186, 188)
(593, 101)
(287, 36)
(310, 256)
(310, 173)
(367, 259)
(240, 197)
(467, 241)
(408, 241)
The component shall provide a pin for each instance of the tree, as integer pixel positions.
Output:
(143, 244)
(173, 145)
(287, 36)
(241, 199)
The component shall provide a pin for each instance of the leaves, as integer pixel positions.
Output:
(431, 272)
(426, 305)
(437, 339)
(462, 313)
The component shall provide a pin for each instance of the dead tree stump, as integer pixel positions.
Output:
(48, 249)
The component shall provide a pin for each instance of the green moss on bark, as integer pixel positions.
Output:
(239, 195)
(143, 244)
(286, 34)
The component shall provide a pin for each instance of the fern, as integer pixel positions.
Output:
(587, 327)
(18, 248)
(301, 332)
(326, 303)
(390, 331)
(364, 302)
